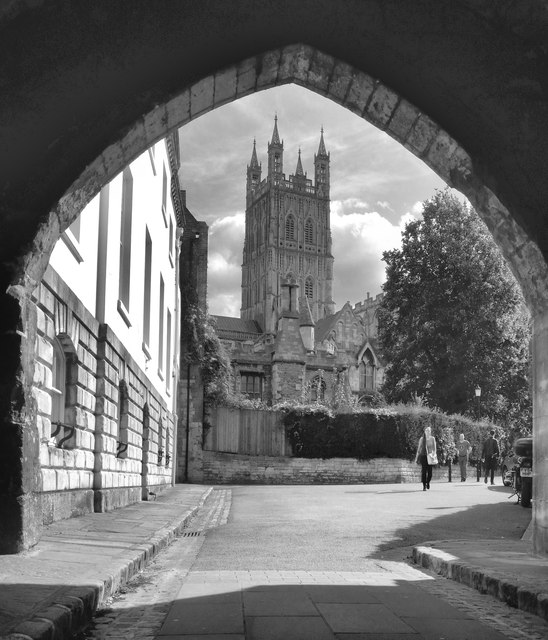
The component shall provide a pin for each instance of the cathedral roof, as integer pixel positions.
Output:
(327, 324)
(305, 315)
(236, 328)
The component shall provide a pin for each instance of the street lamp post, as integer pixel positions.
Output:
(478, 400)
(478, 410)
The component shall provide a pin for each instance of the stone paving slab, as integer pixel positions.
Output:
(321, 605)
(53, 589)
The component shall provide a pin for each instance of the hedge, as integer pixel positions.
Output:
(391, 432)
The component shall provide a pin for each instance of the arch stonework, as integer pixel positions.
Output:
(456, 109)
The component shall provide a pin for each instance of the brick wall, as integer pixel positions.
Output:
(228, 468)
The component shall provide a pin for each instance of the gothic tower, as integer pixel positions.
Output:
(287, 236)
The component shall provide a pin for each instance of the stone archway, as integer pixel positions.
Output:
(475, 71)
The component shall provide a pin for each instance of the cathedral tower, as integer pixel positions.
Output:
(287, 236)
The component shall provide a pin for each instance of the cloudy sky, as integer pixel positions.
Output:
(376, 185)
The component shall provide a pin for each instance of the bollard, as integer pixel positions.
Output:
(449, 470)
(479, 470)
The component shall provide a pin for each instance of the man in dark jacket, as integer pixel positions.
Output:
(489, 456)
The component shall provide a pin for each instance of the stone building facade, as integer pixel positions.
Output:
(105, 325)
(289, 342)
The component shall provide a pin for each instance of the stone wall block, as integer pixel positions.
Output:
(402, 121)
(44, 350)
(295, 64)
(201, 96)
(49, 480)
(320, 72)
(268, 69)
(360, 91)
(422, 135)
(381, 106)
(225, 86)
(340, 81)
(43, 401)
(62, 479)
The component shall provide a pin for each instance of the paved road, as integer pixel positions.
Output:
(269, 562)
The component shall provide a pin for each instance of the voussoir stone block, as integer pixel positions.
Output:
(246, 77)
(361, 89)
(320, 72)
(225, 86)
(269, 65)
(403, 118)
(295, 64)
(340, 81)
(381, 106)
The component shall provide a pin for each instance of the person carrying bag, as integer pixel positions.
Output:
(426, 456)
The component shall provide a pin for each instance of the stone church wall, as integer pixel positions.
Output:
(234, 468)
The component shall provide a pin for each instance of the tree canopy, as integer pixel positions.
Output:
(453, 318)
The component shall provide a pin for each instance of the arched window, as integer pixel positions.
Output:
(317, 389)
(367, 372)
(308, 232)
(309, 288)
(290, 227)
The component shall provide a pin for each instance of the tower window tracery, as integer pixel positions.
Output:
(290, 227)
(309, 288)
(308, 232)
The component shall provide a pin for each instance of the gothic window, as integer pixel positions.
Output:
(367, 372)
(251, 385)
(317, 389)
(309, 288)
(308, 232)
(290, 227)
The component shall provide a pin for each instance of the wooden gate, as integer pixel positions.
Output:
(248, 431)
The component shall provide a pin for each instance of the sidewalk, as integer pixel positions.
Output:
(53, 590)
(505, 569)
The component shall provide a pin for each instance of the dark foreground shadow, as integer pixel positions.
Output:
(209, 607)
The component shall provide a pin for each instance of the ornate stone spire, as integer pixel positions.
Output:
(321, 148)
(275, 134)
(254, 164)
(299, 170)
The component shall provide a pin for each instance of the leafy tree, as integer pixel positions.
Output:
(453, 318)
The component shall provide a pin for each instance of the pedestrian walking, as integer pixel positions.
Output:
(426, 456)
(489, 456)
(464, 449)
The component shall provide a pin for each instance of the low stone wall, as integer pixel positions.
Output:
(235, 468)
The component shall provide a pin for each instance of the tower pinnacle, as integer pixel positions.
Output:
(299, 170)
(275, 134)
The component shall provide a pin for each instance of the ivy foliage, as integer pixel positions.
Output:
(202, 346)
(391, 432)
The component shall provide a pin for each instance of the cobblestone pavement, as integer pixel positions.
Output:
(140, 610)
